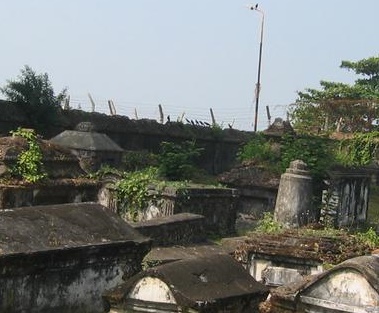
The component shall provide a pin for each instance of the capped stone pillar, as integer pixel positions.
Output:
(294, 199)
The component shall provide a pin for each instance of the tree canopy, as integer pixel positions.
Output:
(35, 94)
(339, 106)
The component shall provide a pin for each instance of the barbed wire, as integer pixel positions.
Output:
(225, 116)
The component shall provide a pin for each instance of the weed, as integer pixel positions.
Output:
(369, 238)
(29, 162)
(268, 224)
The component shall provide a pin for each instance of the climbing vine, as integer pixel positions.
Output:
(359, 150)
(29, 162)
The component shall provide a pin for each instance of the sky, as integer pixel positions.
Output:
(187, 56)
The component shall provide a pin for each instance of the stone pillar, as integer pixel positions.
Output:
(294, 199)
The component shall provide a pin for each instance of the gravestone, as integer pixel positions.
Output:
(293, 203)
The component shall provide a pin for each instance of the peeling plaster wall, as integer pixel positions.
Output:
(69, 281)
(346, 291)
(345, 287)
(18, 196)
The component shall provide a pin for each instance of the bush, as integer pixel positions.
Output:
(358, 151)
(316, 152)
(138, 160)
(258, 149)
(177, 161)
(29, 162)
(268, 224)
(132, 192)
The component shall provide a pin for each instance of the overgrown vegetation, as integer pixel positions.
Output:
(138, 160)
(133, 191)
(262, 150)
(137, 190)
(268, 224)
(319, 153)
(29, 164)
(316, 152)
(369, 238)
(330, 245)
(359, 150)
(140, 186)
(177, 161)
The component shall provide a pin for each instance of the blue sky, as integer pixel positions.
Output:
(188, 56)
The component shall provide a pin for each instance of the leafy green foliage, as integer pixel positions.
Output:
(338, 106)
(138, 160)
(370, 238)
(268, 224)
(359, 150)
(177, 161)
(35, 94)
(260, 150)
(133, 193)
(319, 153)
(29, 163)
(316, 152)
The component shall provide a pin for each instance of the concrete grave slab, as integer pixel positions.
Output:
(207, 284)
(62, 257)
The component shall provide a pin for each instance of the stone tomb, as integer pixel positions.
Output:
(206, 284)
(279, 259)
(62, 185)
(63, 257)
(345, 202)
(92, 148)
(351, 286)
(58, 161)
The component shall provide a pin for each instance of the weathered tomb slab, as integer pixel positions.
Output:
(177, 229)
(257, 191)
(217, 205)
(161, 255)
(289, 256)
(62, 257)
(57, 191)
(351, 286)
(191, 285)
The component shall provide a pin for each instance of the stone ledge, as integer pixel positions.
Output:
(183, 228)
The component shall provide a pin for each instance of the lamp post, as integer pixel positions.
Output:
(258, 85)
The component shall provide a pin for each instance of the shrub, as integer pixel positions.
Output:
(177, 161)
(316, 152)
(358, 151)
(29, 162)
(258, 149)
(132, 192)
(268, 225)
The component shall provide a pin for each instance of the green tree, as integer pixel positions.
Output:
(35, 94)
(339, 106)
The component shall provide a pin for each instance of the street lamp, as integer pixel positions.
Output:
(258, 85)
